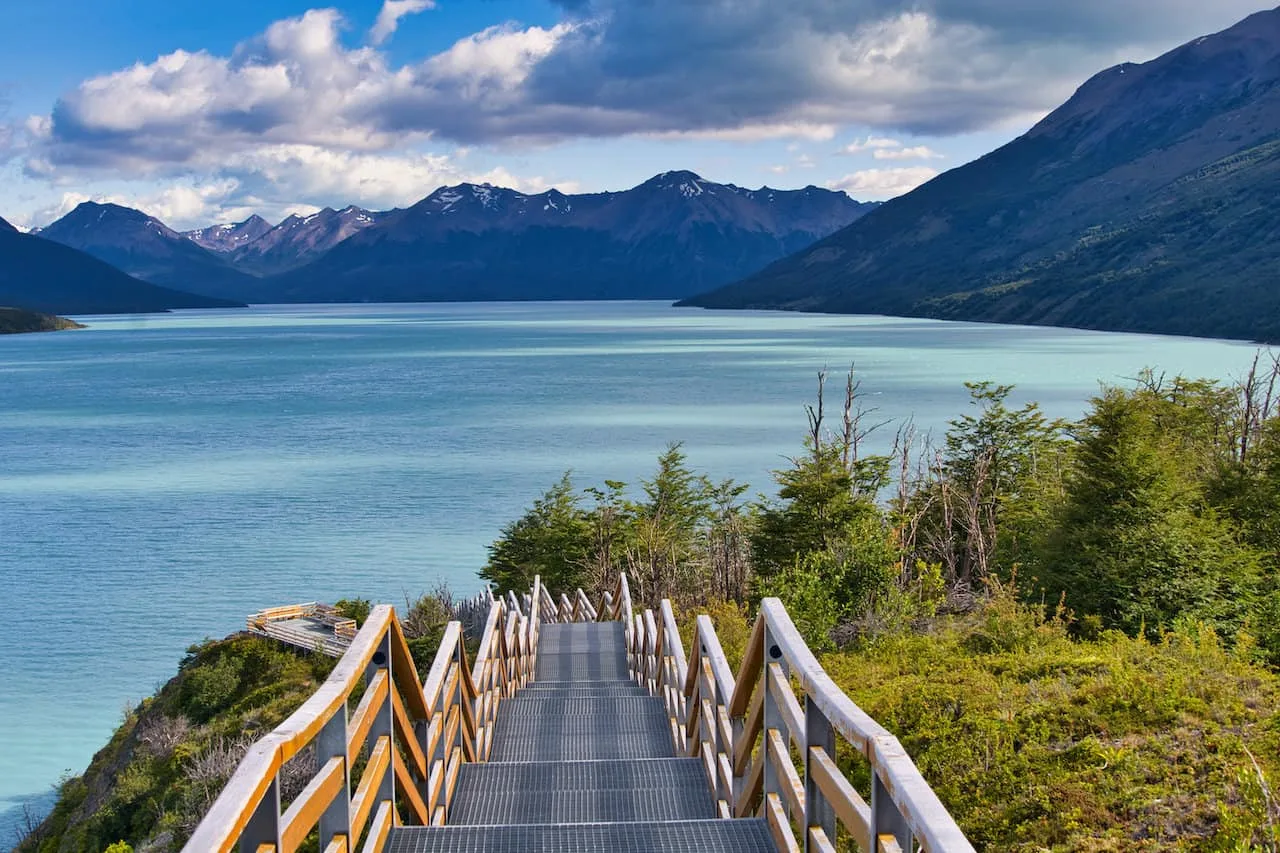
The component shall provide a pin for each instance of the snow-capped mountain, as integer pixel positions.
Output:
(300, 239)
(674, 235)
(229, 236)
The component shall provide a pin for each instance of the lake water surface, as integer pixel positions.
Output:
(163, 476)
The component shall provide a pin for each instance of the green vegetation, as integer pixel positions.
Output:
(172, 754)
(1037, 741)
(1071, 626)
(683, 540)
(1074, 628)
(17, 320)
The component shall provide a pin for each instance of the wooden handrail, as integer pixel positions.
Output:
(419, 733)
(741, 728)
(744, 728)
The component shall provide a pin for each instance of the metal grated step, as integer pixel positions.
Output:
(695, 836)
(524, 705)
(581, 792)
(584, 637)
(581, 666)
(570, 689)
(590, 738)
(588, 775)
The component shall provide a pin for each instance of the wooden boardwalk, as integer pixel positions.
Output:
(311, 626)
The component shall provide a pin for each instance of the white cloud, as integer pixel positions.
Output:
(876, 184)
(181, 203)
(917, 152)
(273, 181)
(871, 143)
(294, 115)
(296, 84)
(743, 71)
(377, 181)
(389, 17)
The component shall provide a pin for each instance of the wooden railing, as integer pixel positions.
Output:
(415, 737)
(747, 729)
(566, 609)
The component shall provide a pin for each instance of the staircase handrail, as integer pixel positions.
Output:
(744, 727)
(418, 735)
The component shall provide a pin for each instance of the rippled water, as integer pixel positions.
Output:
(161, 477)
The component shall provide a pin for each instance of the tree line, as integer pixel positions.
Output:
(1160, 506)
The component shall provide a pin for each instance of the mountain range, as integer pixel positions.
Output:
(675, 235)
(1145, 203)
(256, 247)
(41, 275)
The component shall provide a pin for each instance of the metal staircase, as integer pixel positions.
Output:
(579, 728)
(583, 760)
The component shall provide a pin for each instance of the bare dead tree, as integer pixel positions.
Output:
(208, 772)
(815, 414)
(29, 829)
(160, 735)
(913, 499)
(1256, 397)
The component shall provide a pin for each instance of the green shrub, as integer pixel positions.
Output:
(354, 608)
(1037, 741)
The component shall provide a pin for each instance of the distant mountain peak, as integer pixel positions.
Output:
(682, 181)
(228, 236)
(675, 176)
(5, 226)
(49, 275)
(86, 213)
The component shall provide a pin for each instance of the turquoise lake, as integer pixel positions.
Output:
(163, 476)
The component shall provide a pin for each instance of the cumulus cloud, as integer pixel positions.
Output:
(947, 66)
(179, 204)
(876, 184)
(753, 70)
(296, 84)
(297, 107)
(389, 17)
(376, 180)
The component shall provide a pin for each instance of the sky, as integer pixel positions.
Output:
(208, 112)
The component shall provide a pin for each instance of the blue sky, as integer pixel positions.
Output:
(204, 112)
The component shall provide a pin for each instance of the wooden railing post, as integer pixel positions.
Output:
(264, 826)
(885, 817)
(332, 743)
(772, 714)
(818, 812)
(384, 720)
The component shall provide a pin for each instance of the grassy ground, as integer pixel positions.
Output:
(1036, 741)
